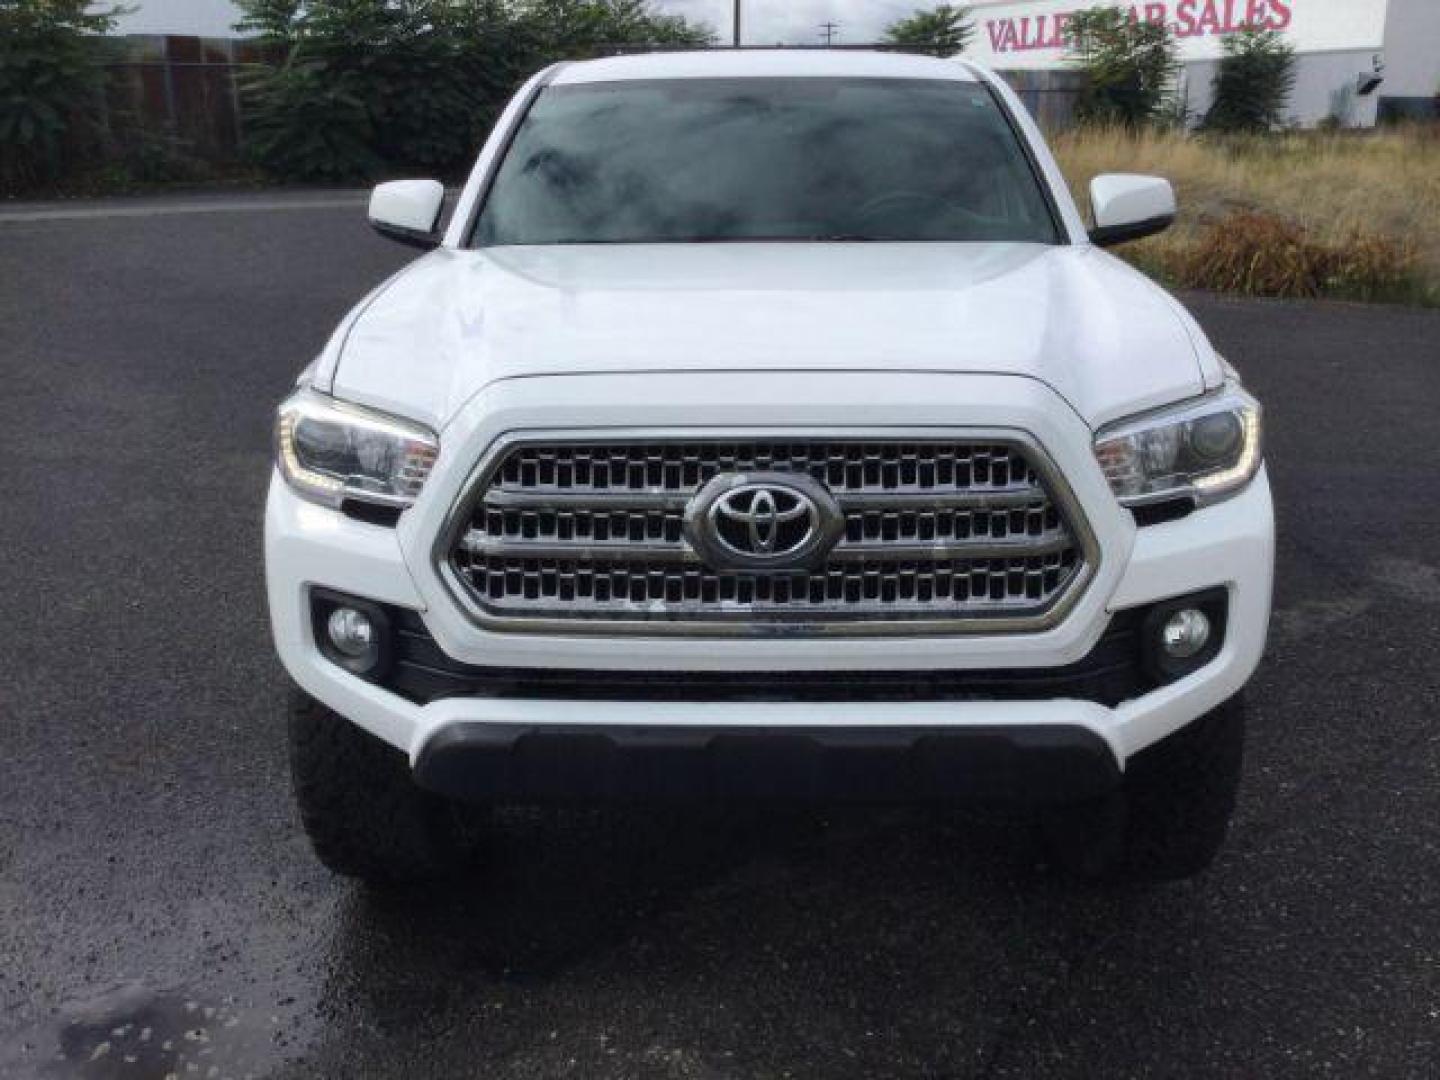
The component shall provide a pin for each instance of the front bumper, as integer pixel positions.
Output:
(1228, 546)
(578, 762)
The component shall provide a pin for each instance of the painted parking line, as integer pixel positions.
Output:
(209, 206)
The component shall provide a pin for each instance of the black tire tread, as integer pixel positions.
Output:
(1170, 817)
(363, 813)
(1180, 796)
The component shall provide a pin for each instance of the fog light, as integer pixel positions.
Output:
(351, 632)
(1185, 633)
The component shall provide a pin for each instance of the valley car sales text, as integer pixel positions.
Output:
(1185, 18)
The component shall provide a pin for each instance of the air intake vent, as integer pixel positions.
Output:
(960, 535)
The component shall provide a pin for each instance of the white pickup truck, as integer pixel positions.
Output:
(769, 425)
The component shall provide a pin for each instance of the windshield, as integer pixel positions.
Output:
(696, 160)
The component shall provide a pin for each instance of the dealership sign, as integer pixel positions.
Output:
(1020, 34)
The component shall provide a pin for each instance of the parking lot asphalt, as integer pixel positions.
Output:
(159, 908)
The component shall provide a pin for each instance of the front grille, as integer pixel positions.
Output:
(953, 532)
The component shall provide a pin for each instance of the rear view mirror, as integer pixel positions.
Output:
(1128, 207)
(408, 211)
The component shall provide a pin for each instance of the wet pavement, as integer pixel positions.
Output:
(160, 913)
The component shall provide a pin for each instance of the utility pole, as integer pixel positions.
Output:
(827, 31)
(737, 24)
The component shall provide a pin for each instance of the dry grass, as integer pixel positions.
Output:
(1341, 214)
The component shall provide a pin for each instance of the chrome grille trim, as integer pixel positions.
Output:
(1005, 549)
(613, 465)
(481, 546)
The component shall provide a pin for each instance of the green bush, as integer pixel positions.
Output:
(49, 87)
(1129, 66)
(1252, 85)
(494, 54)
(306, 122)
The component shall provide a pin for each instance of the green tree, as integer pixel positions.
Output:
(1252, 85)
(573, 29)
(1129, 65)
(50, 85)
(496, 53)
(942, 31)
(359, 85)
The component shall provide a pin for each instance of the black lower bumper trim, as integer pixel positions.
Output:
(1110, 674)
(521, 763)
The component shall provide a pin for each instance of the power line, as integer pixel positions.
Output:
(828, 31)
(737, 24)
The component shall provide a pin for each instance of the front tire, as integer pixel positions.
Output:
(1171, 815)
(364, 815)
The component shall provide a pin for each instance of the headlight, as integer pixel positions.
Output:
(330, 451)
(1206, 450)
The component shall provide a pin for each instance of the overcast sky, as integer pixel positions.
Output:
(797, 22)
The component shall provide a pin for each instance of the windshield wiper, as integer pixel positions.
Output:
(812, 238)
(815, 238)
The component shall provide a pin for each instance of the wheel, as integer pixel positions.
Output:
(1170, 816)
(364, 815)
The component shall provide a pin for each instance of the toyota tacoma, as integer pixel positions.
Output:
(769, 425)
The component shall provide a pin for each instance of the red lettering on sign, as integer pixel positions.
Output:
(1050, 40)
(1185, 19)
(1192, 18)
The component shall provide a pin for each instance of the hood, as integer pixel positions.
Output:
(1104, 337)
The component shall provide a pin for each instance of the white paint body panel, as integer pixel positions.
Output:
(407, 204)
(1127, 199)
(777, 63)
(1070, 316)
(1048, 341)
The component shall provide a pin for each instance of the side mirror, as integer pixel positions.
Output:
(1129, 207)
(408, 211)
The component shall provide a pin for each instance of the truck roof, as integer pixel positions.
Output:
(763, 63)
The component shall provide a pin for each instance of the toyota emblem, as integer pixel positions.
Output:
(758, 521)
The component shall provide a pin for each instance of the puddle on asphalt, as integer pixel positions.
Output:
(138, 1034)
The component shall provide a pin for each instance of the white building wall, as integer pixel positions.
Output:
(1019, 34)
(1412, 49)
(1324, 87)
(198, 18)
